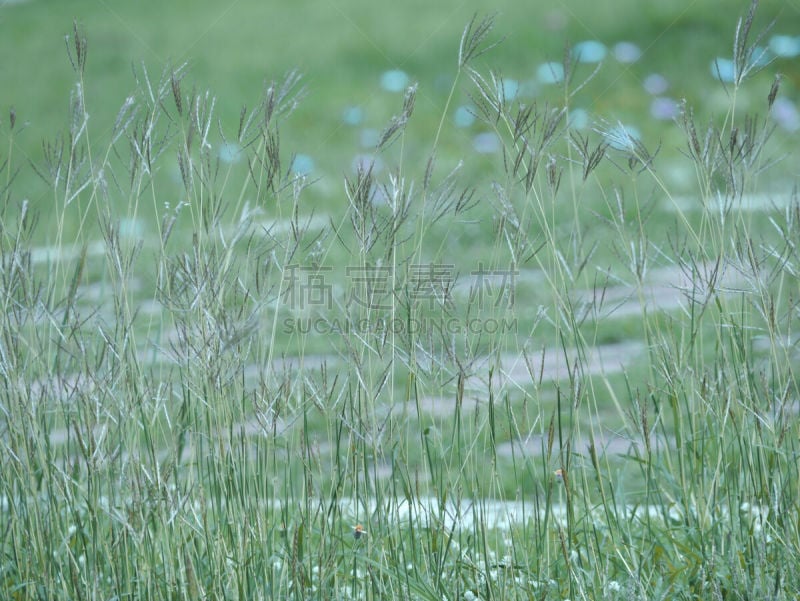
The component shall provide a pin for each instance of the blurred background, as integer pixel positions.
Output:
(357, 59)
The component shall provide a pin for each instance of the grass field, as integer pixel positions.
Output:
(420, 323)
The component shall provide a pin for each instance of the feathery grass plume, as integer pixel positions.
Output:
(470, 47)
(472, 39)
(773, 91)
(76, 49)
(398, 123)
(175, 84)
(748, 58)
(590, 159)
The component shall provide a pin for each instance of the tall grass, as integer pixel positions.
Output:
(183, 418)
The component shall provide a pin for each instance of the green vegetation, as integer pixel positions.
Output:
(564, 369)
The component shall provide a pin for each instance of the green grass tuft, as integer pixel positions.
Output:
(566, 369)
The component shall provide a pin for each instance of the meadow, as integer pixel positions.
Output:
(422, 304)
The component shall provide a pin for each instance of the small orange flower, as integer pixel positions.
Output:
(358, 531)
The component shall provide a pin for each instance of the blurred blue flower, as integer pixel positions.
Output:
(353, 115)
(786, 114)
(486, 143)
(509, 88)
(664, 109)
(230, 152)
(578, 119)
(627, 52)
(590, 51)
(723, 69)
(394, 80)
(762, 56)
(463, 116)
(656, 84)
(551, 72)
(785, 46)
(302, 164)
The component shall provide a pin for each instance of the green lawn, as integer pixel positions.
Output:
(342, 49)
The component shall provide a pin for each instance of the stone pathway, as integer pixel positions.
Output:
(666, 289)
